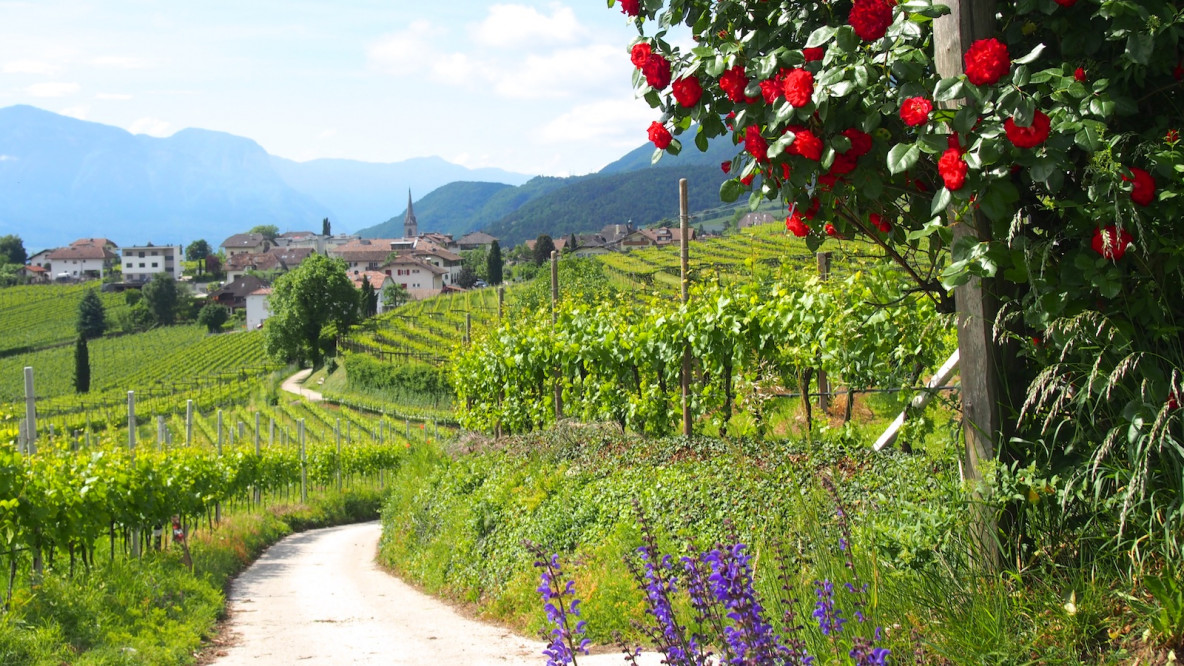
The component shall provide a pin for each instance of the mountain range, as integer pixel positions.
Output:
(62, 178)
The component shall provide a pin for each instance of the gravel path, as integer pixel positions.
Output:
(294, 384)
(319, 598)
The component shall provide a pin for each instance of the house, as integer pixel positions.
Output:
(96, 242)
(658, 236)
(756, 219)
(364, 254)
(377, 279)
(258, 307)
(234, 294)
(80, 261)
(442, 240)
(246, 243)
(419, 278)
(613, 233)
(474, 240)
(34, 274)
(559, 244)
(41, 259)
(588, 245)
(281, 259)
(439, 257)
(141, 262)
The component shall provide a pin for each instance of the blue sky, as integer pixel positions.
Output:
(533, 87)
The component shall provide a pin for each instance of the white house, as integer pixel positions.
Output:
(250, 243)
(258, 307)
(80, 262)
(142, 262)
(419, 278)
(377, 279)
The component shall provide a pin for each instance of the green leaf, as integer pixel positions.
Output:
(1139, 47)
(730, 190)
(701, 141)
(846, 39)
(1042, 169)
(949, 88)
(941, 201)
(1030, 56)
(820, 36)
(903, 157)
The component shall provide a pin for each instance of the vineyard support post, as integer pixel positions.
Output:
(337, 433)
(436, 429)
(271, 431)
(468, 328)
(218, 505)
(131, 447)
(22, 437)
(258, 491)
(160, 432)
(554, 321)
(303, 465)
(407, 422)
(188, 423)
(30, 413)
(824, 262)
(976, 304)
(501, 301)
(684, 223)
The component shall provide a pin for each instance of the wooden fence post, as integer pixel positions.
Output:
(218, 505)
(337, 432)
(554, 321)
(684, 221)
(131, 447)
(188, 423)
(824, 261)
(30, 413)
(982, 416)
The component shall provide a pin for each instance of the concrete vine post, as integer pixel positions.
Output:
(188, 423)
(30, 413)
(303, 464)
(131, 447)
(824, 262)
(554, 321)
(976, 305)
(684, 221)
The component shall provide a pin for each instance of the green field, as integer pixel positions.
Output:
(38, 316)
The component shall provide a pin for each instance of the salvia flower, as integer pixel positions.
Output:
(830, 618)
(562, 608)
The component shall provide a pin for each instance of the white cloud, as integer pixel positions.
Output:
(562, 73)
(328, 134)
(617, 122)
(79, 112)
(7, 158)
(519, 25)
(151, 127)
(456, 69)
(31, 67)
(121, 62)
(407, 51)
(113, 96)
(52, 89)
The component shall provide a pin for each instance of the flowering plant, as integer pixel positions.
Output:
(1058, 133)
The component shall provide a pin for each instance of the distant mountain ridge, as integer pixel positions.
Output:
(62, 178)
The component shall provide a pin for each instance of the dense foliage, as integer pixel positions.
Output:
(305, 301)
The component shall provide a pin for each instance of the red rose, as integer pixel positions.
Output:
(954, 141)
(755, 144)
(659, 135)
(815, 204)
(1065, 3)
(631, 7)
(733, 82)
(799, 87)
(640, 53)
(770, 90)
(785, 171)
(879, 222)
(1027, 137)
(1172, 136)
(844, 164)
(726, 167)
(1143, 191)
(1079, 74)
(687, 91)
(747, 180)
(830, 229)
(657, 71)
(987, 62)
(952, 168)
(915, 111)
(861, 142)
(814, 54)
(1111, 242)
(795, 225)
(871, 18)
(805, 143)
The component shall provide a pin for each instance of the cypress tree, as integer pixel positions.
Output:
(81, 365)
(493, 264)
(92, 319)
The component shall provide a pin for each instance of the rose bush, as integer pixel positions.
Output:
(1043, 153)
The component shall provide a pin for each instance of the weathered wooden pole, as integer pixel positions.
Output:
(303, 464)
(976, 305)
(554, 321)
(218, 505)
(131, 447)
(501, 301)
(30, 413)
(337, 432)
(684, 224)
(823, 381)
(188, 423)
(468, 328)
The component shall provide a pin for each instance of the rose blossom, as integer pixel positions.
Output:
(795, 225)
(871, 18)
(657, 71)
(1027, 137)
(755, 144)
(805, 143)
(952, 169)
(1111, 242)
(879, 222)
(659, 135)
(987, 61)
(799, 87)
(1079, 74)
(733, 82)
(771, 89)
(726, 167)
(861, 142)
(915, 111)
(1143, 191)
(640, 53)
(631, 7)
(1065, 3)
(814, 53)
(687, 91)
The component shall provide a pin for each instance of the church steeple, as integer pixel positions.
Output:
(410, 227)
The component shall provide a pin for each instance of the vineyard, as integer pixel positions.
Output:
(39, 316)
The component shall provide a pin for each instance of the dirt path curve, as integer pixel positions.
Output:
(319, 598)
(293, 385)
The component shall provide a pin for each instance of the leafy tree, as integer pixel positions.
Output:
(570, 245)
(12, 250)
(135, 319)
(213, 265)
(197, 251)
(92, 318)
(543, 247)
(476, 260)
(493, 264)
(81, 366)
(212, 316)
(394, 296)
(163, 298)
(326, 227)
(132, 296)
(317, 295)
(466, 278)
(367, 300)
(269, 231)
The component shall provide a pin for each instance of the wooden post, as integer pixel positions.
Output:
(980, 371)
(337, 432)
(303, 464)
(684, 221)
(160, 432)
(824, 261)
(257, 433)
(131, 447)
(188, 423)
(554, 321)
(501, 301)
(30, 413)
(218, 505)
(468, 328)
(271, 431)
